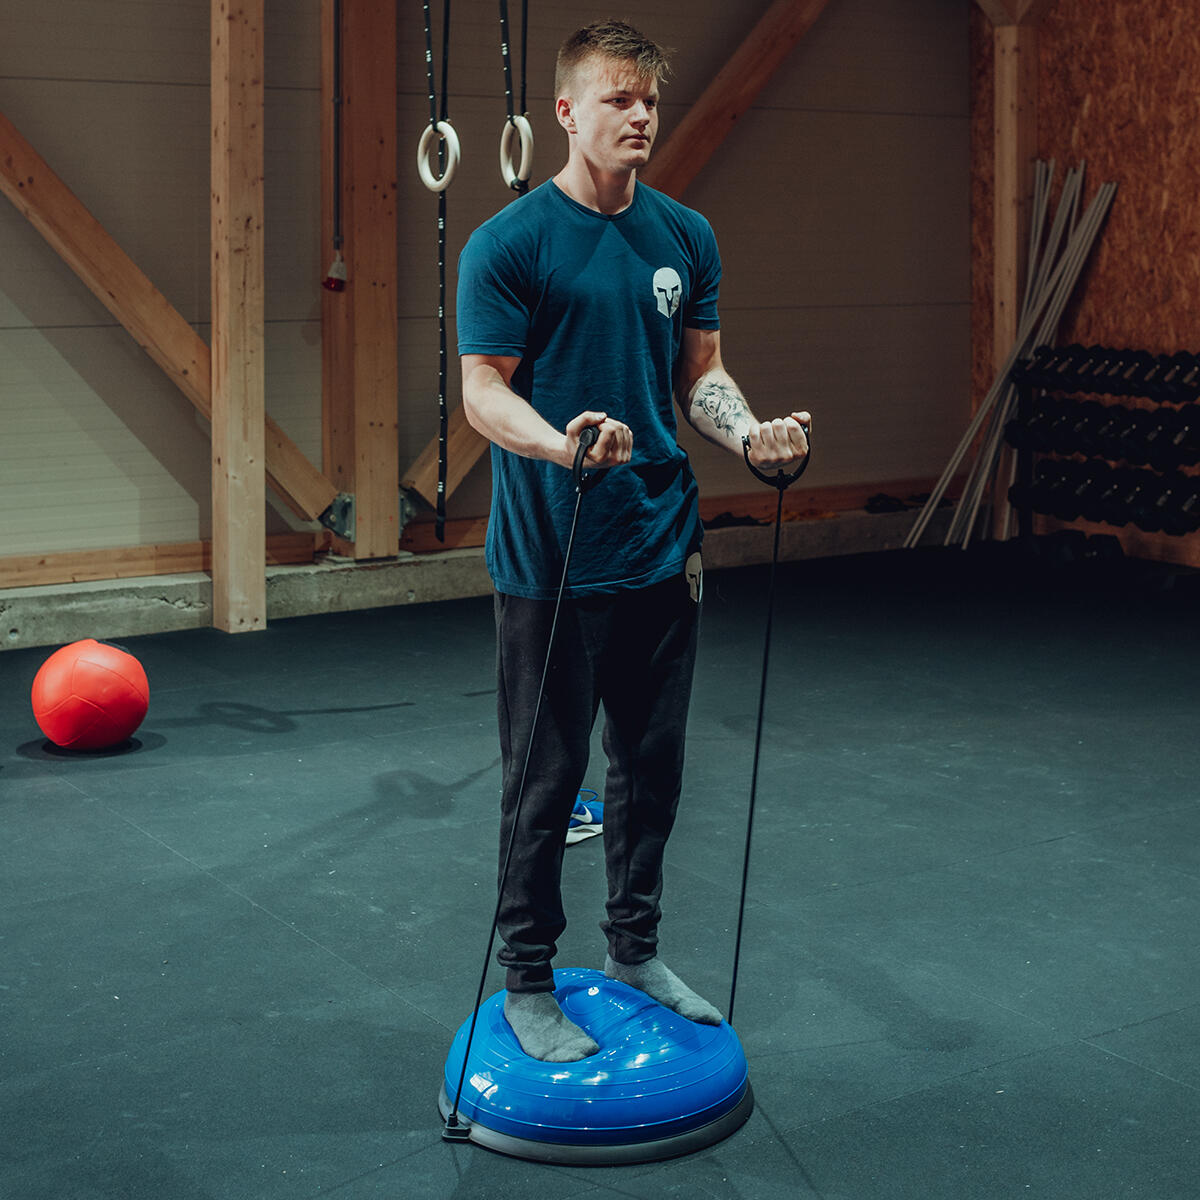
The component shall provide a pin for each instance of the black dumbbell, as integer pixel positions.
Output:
(1109, 380)
(1171, 383)
(1185, 439)
(1075, 376)
(1075, 433)
(1095, 425)
(1032, 371)
(1060, 371)
(1150, 383)
(1094, 370)
(1161, 438)
(1101, 437)
(1134, 491)
(1047, 475)
(1133, 369)
(1183, 517)
(1110, 503)
(1034, 432)
(1103, 549)
(1048, 362)
(1077, 497)
(1190, 383)
(1055, 436)
(1152, 502)
(1062, 488)
(1124, 436)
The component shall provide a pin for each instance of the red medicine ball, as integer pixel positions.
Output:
(89, 695)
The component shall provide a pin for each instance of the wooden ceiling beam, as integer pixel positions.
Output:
(728, 98)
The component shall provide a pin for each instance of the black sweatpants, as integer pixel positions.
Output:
(632, 652)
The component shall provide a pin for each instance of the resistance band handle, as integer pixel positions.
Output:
(781, 479)
(587, 439)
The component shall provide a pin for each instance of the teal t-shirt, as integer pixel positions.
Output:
(594, 306)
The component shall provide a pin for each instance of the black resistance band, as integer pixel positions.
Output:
(781, 481)
(454, 1132)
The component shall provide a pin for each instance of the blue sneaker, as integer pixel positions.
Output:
(587, 817)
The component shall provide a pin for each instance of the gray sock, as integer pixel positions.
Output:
(543, 1029)
(664, 986)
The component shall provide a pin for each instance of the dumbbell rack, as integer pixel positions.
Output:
(1108, 442)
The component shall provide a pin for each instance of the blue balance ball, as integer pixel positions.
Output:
(661, 1085)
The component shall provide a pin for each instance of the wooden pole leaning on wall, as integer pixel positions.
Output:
(671, 168)
(238, 371)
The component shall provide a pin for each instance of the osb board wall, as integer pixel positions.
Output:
(1117, 89)
(1117, 86)
(982, 176)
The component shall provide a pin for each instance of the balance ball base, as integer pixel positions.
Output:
(660, 1086)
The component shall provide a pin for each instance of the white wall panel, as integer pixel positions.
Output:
(879, 56)
(136, 156)
(882, 384)
(871, 209)
(840, 202)
(99, 449)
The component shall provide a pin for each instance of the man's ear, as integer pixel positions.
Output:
(562, 109)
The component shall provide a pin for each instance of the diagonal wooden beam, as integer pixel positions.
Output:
(728, 98)
(675, 164)
(117, 282)
(464, 448)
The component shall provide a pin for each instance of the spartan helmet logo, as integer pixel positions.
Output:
(667, 289)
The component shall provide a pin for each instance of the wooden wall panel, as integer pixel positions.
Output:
(1115, 90)
(983, 169)
(1116, 84)
(1118, 88)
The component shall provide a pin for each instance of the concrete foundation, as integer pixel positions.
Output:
(119, 608)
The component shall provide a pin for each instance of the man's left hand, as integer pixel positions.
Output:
(781, 442)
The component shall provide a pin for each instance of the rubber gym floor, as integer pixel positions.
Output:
(234, 953)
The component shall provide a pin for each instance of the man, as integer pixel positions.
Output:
(591, 301)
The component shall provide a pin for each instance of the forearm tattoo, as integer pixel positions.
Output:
(722, 404)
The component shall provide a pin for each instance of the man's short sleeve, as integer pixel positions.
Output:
(493, 315)
(701, 310)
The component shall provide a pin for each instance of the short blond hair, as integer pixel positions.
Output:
(613, 40)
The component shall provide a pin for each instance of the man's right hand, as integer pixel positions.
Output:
(613, 447)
